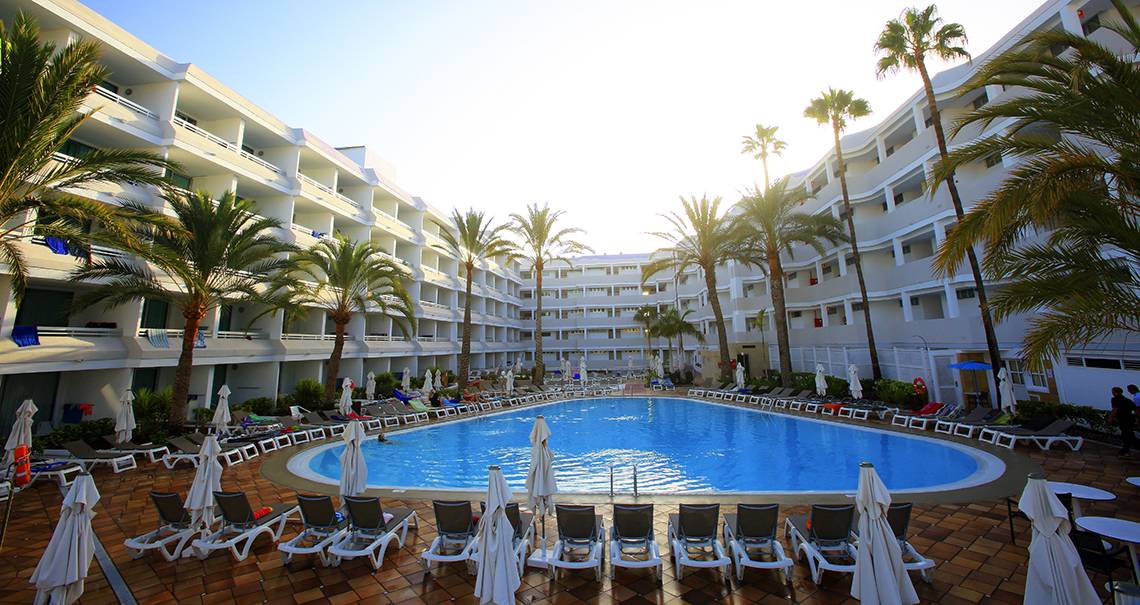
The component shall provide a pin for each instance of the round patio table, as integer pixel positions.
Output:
(1134, 481)
(1122, 530)
(1081, 492)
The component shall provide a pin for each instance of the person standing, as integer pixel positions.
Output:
(1124, 413)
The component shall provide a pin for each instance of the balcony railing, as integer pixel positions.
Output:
(241, 335)
(75, 332)
(213, 138)
(308, 231)
(131, 105)
(329, 190)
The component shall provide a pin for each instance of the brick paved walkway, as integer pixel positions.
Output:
(976, 561)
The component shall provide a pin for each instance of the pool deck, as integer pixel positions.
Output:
(969, 539)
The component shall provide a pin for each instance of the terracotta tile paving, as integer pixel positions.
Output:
(976, 561)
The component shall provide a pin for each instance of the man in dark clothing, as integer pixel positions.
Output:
(1124, 413)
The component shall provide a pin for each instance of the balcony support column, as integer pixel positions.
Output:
(848, 312)
(823, 315)
(908, 312)
(841, 260)
(897, 245)
(889, 194)
(951, 295)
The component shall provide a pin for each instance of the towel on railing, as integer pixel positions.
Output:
(56, 245)
(200, 339)
(158, 338)
(26, 336)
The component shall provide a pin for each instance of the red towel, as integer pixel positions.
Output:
(261, 512)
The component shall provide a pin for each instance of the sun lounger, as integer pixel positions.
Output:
(824, 537)
(456, 533)
(693, 541)
(186, 450)
(86, 456)
(797, 401)
(898, 517)
(581, 538)
(903, 418)
(750, 533)
(173, 533)
(247, 449)
(333, 427)
(970, 429)
(371, 529)
(861, 410)
(1044, 438)
(241, 526)
(922, 423)
(153, 452)
(322, 528)
(384, 414)
(414, 411)
(632, 543)
(978, 415)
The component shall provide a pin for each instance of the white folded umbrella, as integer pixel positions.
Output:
(1055, 574)
(21, 433)
(439, 380)
(353, 468)
(739, 375)
(820, 381)
(344, 406)
(498, 575)
(63, 567)
(880, 576)
(370, 387)
(582, 369)
(125, 418)
(207, 480)
(221, 419)
(540, 482)
(510, 382)
(853, 383)
(427, 381)
(406, 380)
(1005, 390)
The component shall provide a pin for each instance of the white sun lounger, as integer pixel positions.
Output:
(816, 544)
(632, 543)
(239, 528)
(693, 541)
(750, 533)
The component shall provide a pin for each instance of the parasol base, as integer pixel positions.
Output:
(540, 558)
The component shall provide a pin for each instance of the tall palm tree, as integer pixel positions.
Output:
(673, 323)
(646, 315)
(762, 325)
(542, 243)
(474, 240)
(343, 278)
(703, 237)
(834, 107)
(1077, 183)
(211, 252)
(763, 143)
(770, 222)
(905, 43)
(41, 91)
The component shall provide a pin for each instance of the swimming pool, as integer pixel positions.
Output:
(679, 446)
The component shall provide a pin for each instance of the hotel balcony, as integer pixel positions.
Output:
(228, 154)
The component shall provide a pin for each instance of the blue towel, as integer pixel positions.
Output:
(56, 245)
(200, 339)
(402, 397)
(158, 338)
(26, 336)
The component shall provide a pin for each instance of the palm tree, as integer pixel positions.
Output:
(41, 91)
(762, 324)
(211, 252)
(673, 323)
(646, 315)
(543, 242)
(474, 240)
(905, 43)
(343, 278)
(770, 222)
(1074, 127)
(704, 238)
(763, 143)
(834, 107)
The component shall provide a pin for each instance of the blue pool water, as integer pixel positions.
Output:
(679, 445)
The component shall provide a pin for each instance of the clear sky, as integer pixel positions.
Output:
(609, 109)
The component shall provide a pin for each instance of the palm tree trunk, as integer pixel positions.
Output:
(876, 371)
(648, 344)
(721, 333)
(192, 315)
(465, 350)
(539, 366)
(334, 360)
(975, 268)
(776, 280)
(764, 161)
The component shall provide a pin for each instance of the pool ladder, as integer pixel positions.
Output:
(634, 480)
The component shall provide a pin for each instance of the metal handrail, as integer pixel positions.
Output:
(131, 105)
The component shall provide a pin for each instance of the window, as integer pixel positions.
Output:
(966, 293)
(899, 199)
(1102, 363)
(75, 149)
(247, 149)
(850, 260)
(179, 180)
(1016, 371)
(111, 87)
(857, 306)
(929, 122)
(1037, 378)
(906, 248)
(993, 160)
(225, 318)
(154, 313)
(44, 308)
(890, 151)
(1091, 25)
(981, 100)
(186, 118)
(1019, 370)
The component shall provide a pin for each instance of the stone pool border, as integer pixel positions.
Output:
(275, 467)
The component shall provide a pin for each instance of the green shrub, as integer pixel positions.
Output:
(1091, 417)
(262, 406)
(152, 413)
(309, 394)
(203, 416)
(385, 382)
(89, 431)
(894, 392)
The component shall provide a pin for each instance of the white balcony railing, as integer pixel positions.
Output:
(131, 105)
(213, 138)
(241, 335)
(75, 332)
(298, 336)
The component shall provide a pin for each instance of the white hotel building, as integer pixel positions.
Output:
(225, 142)
(922, 323)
